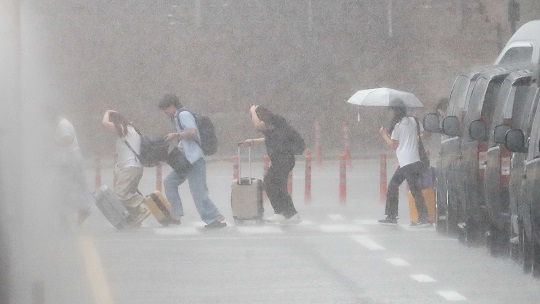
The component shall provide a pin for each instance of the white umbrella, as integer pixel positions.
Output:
(385, 97)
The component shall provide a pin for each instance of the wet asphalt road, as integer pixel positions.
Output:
(338, 254)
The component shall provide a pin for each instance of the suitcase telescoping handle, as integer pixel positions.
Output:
(241, 180)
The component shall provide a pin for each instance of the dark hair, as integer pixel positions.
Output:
(269, 117)
(399, 113)
(120, 123)
(168, 100)
(442, 104)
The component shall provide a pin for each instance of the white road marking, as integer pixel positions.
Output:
(451, 295)
(423, 278)
(341, 228)
(177, 231)
(306, 223)
(259, 229)
(398, 262)
(367, 222)
(408, 227)
(368, 243)
(336, 217)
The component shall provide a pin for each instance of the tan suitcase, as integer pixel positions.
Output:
(159, 206)
(429, 197)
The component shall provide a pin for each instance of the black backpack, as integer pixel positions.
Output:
(297, 145)
(207, 133)
(153, 151)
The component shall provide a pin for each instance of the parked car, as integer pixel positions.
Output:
(509, 111)
(523, 141)
(461, 91)
(465, 195)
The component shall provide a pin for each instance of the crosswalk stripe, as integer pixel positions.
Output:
(451, 295)
(260, 230)
(398, 262)
(368, 243)
(336, 217)
(341, 228)
(177, 231)
(423, 278)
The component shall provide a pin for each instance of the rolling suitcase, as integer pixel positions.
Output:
(428, 191)
(247, 195)
(115, 212)
(429, 198)
(159, 206)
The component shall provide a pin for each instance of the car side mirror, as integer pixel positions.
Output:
(477, 130)
(431, 123)
(515, 141)
(450, 126)
(500, 133)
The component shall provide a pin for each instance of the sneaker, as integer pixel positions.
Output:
(175, 220)
(276, 218)
(420, 224)
(388, 221)
(216, 224)
(293, 220)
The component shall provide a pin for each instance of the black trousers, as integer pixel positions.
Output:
(411, 173)
(275, 184)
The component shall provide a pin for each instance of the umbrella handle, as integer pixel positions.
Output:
(358, 115)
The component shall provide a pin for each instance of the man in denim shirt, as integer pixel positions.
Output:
(186, 131)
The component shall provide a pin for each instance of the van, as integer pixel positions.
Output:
(446, 222)
(523, 140)
(523, 48)
(509, 112)
(465, 191)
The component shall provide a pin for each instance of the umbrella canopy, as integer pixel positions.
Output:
(385, 97)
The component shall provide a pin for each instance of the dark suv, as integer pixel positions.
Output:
(466, 211)
(509, 113)
(524, 186)
(461, 91)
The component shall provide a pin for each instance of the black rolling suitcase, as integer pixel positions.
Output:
(247, 195)
(115, 212)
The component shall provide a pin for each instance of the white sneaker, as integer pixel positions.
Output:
(293, 220)
(276, 218)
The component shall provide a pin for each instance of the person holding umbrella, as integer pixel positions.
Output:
(404, 138)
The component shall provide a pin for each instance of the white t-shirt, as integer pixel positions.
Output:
(405, 132)
(126, 157)
(65, 133)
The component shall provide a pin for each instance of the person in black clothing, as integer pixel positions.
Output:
(277, 138)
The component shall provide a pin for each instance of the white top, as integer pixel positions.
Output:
(406, 133)
(65, 133)
(126, 158)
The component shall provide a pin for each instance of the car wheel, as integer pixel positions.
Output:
(526, 251)
(535, 253)
(451, 222)
(497, 242)
(516, 251)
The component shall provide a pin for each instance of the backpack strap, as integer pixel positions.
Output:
(197, 140)
(138, 156)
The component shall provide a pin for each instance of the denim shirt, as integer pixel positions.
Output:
(183, 120)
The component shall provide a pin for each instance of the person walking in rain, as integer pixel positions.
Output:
(403, 137)
(70, 167)
(277, 134)
(128, 170)
(186, 132)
